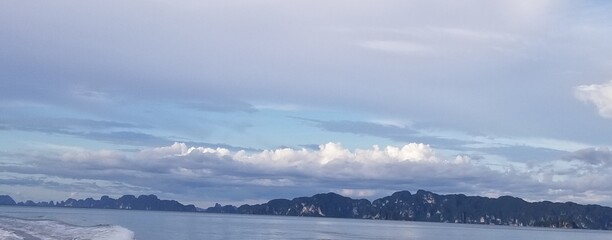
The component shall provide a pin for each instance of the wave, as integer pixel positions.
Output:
(26, 229)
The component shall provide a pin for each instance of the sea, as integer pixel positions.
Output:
(38, 223)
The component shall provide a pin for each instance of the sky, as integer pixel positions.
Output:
(245, 101)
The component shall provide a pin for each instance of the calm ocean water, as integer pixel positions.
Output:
(66, 223)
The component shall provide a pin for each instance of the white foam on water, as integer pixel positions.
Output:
(8, 235)
(20, 229)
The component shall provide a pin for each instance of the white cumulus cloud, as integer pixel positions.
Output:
(599, 95)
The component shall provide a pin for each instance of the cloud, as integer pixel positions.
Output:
(90, 96)
(594, 156)
(181, 169)
(92, 159)
(399, 47)
(521, 150)
(218, 173)
(222, 106)
(437, 42)
(286, 107)
(384, 129)
(357, 193)
(521, 153)
(334, 153)
(391, 131)
(206, 65)
(115, 132)
(123, 137)
(49, 124)
(100, 130)
(599, 95)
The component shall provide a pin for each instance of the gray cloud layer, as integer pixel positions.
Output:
(211, 174)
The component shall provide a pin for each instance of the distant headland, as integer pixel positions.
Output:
(128, 202)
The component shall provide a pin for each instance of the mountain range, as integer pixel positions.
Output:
(430, 207)
(403, 205)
